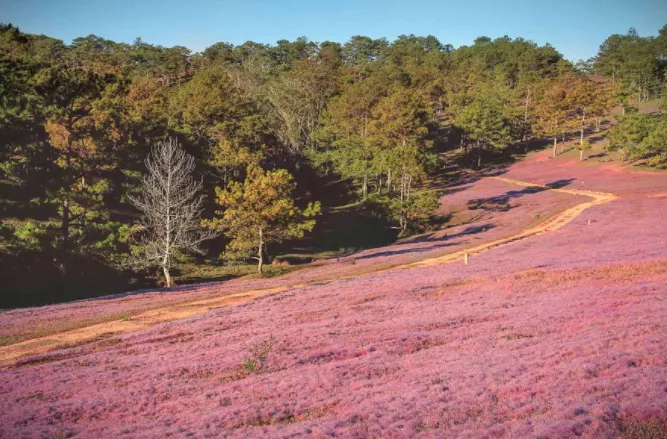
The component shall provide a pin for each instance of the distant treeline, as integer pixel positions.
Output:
(77, 122)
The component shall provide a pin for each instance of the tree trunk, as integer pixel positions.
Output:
(479, 156)
(555, 146)
(597, 124)
(167, 276)
(65, 224)
(260, 252)
(65, 204)
(581, 155)
(167, 237)
(364, 189)
(403, 220)
(525, 117)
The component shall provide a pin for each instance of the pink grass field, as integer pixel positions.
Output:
(556, 336)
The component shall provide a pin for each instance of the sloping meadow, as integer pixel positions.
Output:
(480, 212)
(559, 335)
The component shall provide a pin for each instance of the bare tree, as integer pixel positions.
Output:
(171, 204)
(296, 100)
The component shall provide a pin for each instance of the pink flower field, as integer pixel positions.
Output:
(559, 335)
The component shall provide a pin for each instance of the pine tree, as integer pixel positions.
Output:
(261, 211)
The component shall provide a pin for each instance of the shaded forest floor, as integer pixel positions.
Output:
(560, 334)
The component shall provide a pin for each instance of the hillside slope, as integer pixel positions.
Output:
(560, 334)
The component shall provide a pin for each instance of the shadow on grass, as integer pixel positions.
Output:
(560, 183)
(438, 243)
(342, 231)
(501, 203)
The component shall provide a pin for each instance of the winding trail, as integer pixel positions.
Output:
(554, 223)
(9, 354)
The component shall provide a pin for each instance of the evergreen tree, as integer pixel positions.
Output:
(261, 211)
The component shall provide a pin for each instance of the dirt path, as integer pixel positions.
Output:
(143, 320)
(553, 223)
(9, 354)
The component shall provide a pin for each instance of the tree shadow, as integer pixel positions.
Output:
(439, 221)
(453, 190)
(596, 138)
(439, 242)
(158, 290)
(560, 183)
(459, 178)
(472, 230)
(501, 203)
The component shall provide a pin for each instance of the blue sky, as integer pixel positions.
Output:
(575, 28)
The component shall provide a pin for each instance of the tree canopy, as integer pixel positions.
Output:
(78, 120)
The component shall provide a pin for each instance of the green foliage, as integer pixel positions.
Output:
(630, 136)
(297, 99)
(635, 63)
(485, 124)
(640, 136)
(362, 51)
(584, 147)
(31, 234)
(411, 214)
(77, 122)
(259, 354)
(654, 146)
(210, 107)
(261, 211)
(374, 135)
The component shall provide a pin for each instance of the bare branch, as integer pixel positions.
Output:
(171, 206)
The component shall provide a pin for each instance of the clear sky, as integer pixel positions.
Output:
(575, 27)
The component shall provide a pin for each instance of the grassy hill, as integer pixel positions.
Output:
(559, 332)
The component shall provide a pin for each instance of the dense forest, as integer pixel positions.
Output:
(276, 135)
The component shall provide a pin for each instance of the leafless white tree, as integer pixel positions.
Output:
(171, 204)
